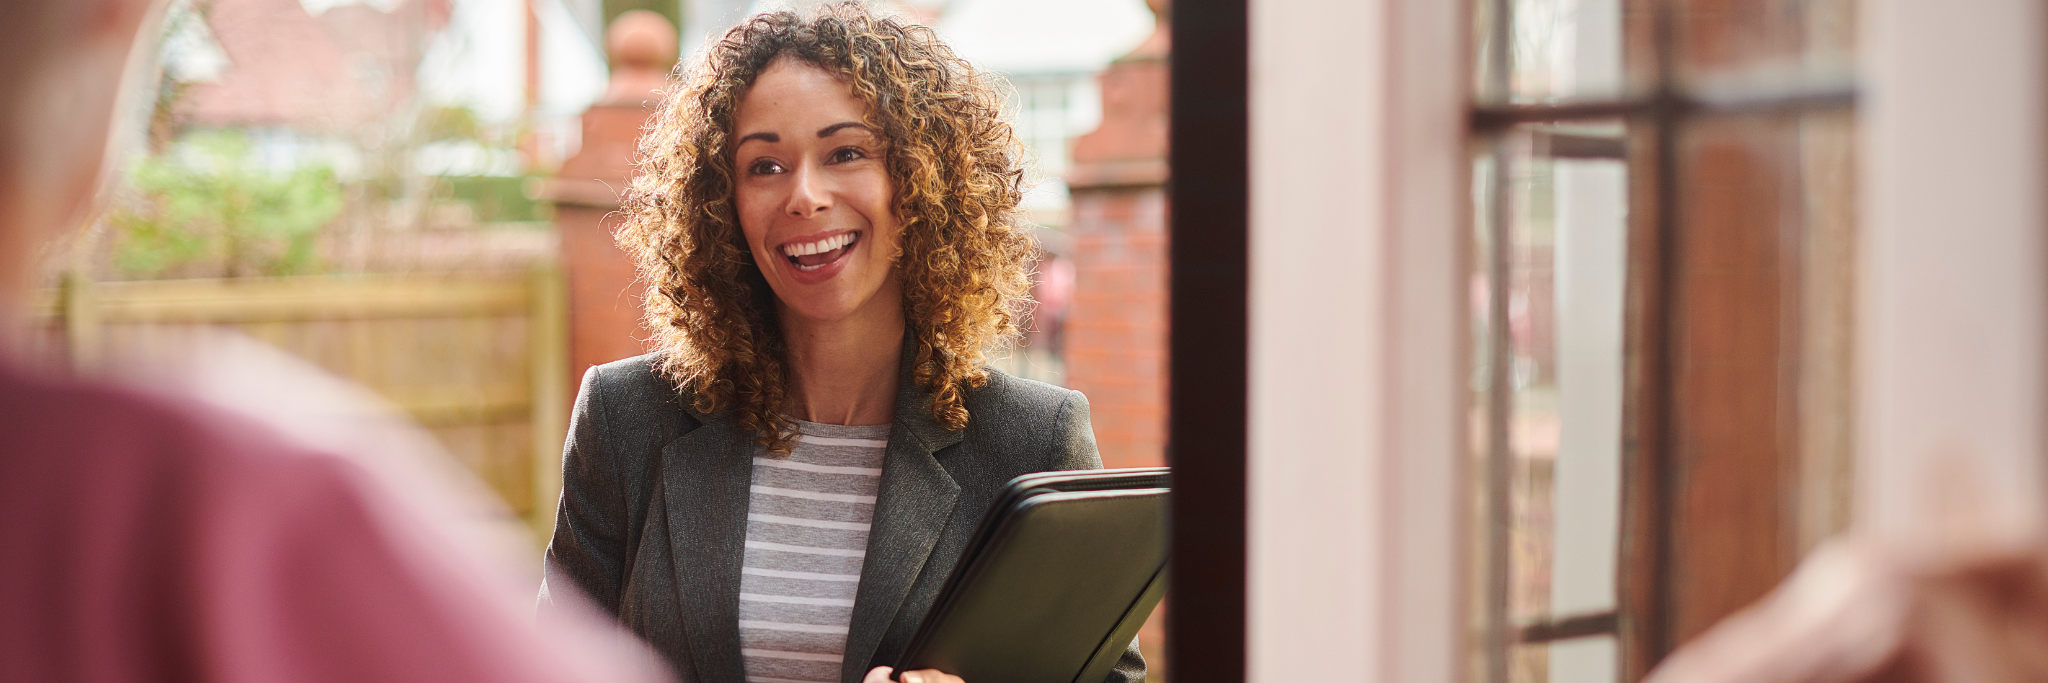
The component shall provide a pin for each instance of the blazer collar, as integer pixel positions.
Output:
(914, 404)
(911, 511)
(706, 476)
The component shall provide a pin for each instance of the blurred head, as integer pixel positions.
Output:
(818, 166)
(64, 60)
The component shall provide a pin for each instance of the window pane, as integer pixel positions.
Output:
(1557, 50)
(1489, 537)
(1764, 44)
(1589, 252)
(1827, 145)
(1547, 307)
(1759, 356)
(1592, 659)
(1584, 660)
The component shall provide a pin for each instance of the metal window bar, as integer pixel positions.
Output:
(1661, 112)
(1559, 145)
(1496, 636)
(1499, 404)
(1577, 626)
(1670, 106)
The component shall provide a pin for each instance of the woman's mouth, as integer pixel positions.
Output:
(818, 253)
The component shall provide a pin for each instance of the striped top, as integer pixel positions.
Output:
(807, 536)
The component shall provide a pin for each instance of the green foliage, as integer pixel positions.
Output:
(211, 204)
(495, 198)
(452, 123)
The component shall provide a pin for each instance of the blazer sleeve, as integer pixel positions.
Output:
(1076, 451)
(587, 551)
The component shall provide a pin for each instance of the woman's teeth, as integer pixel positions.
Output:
(820, 246)
(809, 256)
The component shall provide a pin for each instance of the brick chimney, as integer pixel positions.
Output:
(1116, 331)
(604, 299)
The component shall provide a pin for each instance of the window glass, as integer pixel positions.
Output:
(1826, 258)
(1759, 369)
(1591, 659)
(1660, 312)
(1764, 45)
(1548, 313)
(1557, 50)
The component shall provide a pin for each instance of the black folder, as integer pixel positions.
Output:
(1061, 573)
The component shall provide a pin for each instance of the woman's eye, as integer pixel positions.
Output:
(764, 167)
(846, 154)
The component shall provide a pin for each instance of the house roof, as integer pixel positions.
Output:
(287, 67)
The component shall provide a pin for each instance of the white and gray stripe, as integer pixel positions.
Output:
(808, 517)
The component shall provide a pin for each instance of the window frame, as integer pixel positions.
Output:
(1656, 117)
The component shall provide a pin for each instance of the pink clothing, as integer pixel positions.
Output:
(144, 541)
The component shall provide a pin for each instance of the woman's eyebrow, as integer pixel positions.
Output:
(762, 136)
(827, 131)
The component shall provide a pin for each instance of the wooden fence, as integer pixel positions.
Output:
(479, 360)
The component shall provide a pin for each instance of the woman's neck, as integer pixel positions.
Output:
(844, 371)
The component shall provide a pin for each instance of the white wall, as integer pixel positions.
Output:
(1952, 310)
(1355, 507)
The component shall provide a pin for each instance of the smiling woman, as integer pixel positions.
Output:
(826, 212)
(930, 127)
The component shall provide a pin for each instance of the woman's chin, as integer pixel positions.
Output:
(819, 312)
(835, 303)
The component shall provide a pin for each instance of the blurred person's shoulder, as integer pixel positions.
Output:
(114, 503)
(132, 518)
(105, 461)
(54, 426)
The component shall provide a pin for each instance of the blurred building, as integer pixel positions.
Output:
(1114, 337)
(337, 71)
(1058, 57)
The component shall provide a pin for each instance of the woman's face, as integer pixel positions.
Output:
(814, 195)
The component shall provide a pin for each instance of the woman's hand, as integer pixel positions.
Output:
(880, 674)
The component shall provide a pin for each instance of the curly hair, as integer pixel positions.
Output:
(957, 169)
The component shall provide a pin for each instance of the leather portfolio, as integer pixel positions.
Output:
(1062, 571)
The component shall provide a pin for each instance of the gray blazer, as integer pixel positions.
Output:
(653, 516)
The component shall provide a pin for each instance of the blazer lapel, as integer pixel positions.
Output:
(706, 475)
(911, 511)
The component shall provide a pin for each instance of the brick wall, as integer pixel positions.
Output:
(1116, 333)
(604, 296)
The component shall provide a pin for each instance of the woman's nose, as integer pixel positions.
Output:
(808, 195)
